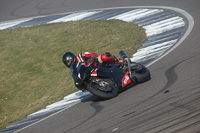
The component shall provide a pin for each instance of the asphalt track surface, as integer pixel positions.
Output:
(169, 102)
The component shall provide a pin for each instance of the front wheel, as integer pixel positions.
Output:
(142, 74)
(103, 88)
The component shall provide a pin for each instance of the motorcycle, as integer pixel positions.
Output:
(107, 81)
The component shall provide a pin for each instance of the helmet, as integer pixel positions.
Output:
(68, 59)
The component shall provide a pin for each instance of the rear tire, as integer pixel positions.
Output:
(108, 92)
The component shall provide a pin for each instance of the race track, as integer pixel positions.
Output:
(169, 102)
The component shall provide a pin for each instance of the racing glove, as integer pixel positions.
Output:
(92, 59)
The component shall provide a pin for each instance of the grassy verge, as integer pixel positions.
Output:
(31, 68)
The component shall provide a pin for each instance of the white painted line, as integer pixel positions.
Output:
(77, 94)
(40, 112)
(12, 23)
(149, 56)
(132, 14)
(69, 100)
(120, 16)
(145, 54)
(169, 24)
(20, 123)
(55, 107)
(144, 14)
(63, 103)
(163, 26)
(124, 18)
(162, 22)
(164, 29)
(156, 46)
(136, 14)
(74, 17)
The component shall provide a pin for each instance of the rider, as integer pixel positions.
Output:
(86, 57)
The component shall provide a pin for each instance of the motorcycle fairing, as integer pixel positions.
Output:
(111, 72)
(80, 72)
(126, 80)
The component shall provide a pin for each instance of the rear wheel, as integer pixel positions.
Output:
(104, 88)
(141, 74)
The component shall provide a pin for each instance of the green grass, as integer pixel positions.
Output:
(31, 69)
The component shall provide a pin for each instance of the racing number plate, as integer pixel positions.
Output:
(126, 80)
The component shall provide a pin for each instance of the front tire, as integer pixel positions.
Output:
(103, 88)
(141, 75)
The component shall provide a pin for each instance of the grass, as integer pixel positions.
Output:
(32, 74)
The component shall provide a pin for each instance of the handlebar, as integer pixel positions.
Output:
(124, 55)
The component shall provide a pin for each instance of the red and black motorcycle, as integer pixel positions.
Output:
(106, 82)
